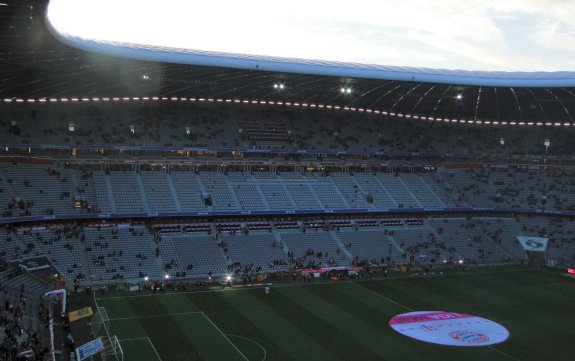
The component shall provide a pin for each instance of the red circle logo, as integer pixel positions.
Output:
(469, 336)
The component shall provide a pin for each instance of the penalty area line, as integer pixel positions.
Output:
(154, 348)
(158, 315)
(132, 339)
(504, 353)
(224, 336)
(382, 296)
(254, 342)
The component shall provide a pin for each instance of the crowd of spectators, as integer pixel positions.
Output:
(19, 340)
(171, 125)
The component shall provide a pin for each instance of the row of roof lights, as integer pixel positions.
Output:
(279, 103)
(342, 90)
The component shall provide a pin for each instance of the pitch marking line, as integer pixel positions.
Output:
(133, 339)
(254, 342)
(504, 353)
(382, 296)
(144, 338)
(183, 314)
(226, 337)
(158, 315)
(154, 348)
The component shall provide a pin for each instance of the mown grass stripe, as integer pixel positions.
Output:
(239, 323)
(534, 305)
(208, 339)
(359, 336)
(372, 311)
(166, 335)
(369, 306)
(395, 291)
(501, 298)
(529, 321)
(317, 328)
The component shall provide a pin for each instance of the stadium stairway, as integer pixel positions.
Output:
(234, 195)
(111, 200)
(435, 183)
(160, 261)
(87, 266)
(505, 250)
(315, 196)
(341, 246)
(380, 183)
(263, 197)
(174, 193)
(142, 192)
(453, 195)
(338, 191)
(409, 191)
(439, 237)
(395, 244)
(362, 190)
(290, 197)
(74, 179)
(8, 186)
(278, 238)
(435, 195)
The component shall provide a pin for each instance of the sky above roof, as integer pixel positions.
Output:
(492, 35)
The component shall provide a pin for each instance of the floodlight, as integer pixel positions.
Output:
(228, 278)
(146, 278)
(167, 276)
(459, 97)
(460, 261)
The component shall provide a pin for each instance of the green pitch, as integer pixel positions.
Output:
(347, 320)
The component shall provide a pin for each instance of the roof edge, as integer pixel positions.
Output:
(317, 67)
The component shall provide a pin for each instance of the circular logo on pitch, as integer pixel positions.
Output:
(469, 336)
(449, 328)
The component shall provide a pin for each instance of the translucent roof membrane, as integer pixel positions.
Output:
(499, 43)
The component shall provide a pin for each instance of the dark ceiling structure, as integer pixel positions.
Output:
(34, 65)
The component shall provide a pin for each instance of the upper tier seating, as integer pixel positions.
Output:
(179, 125)
(45, 190)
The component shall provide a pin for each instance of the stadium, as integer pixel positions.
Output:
(161, 204)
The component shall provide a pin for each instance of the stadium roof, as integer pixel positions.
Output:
(35, 65)
(387, 42)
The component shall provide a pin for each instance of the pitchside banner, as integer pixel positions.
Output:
(89, 349)
(79, 314)
(534, 244)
